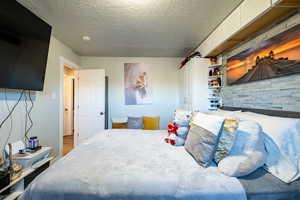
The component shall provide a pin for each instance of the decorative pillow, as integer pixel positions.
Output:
(182, 117)
(282, 139)
(203, 138)
(151, 123)
(119, 125)
(227, 139)
(227, 114)
(248, 152)
(135, 123)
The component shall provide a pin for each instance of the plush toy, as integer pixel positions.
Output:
(182, 118)
(182, 131)
(175, 135)
(172, 134)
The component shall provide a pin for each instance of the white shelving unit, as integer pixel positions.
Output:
(214, 87)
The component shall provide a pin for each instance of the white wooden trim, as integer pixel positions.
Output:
(63, 61)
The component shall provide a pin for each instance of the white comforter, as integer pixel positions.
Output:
(131, 164)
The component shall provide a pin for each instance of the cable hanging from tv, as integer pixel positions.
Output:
(12, 110)
(28, 116)
(11, 122)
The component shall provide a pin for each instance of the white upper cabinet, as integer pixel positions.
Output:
(232, 23)
(223, 32)
(205, 47)
(275, 1)
(217, 36)
(243, 15)
(250, 9)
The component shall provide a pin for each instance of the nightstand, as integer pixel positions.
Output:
(33, 164)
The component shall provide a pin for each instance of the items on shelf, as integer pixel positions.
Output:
(216, 72)
(217, 82)
(215, 85)
(14, 168)
(33, 143)
(214, 106)
(213, 60)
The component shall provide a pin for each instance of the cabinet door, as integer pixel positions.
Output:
(181, 87)
(188, 82)
(199, 84)
(232, 23)
(250, 9)
(184, 87)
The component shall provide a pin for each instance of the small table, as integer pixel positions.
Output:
(17, 187)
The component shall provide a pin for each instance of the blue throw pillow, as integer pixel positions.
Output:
(135, 123)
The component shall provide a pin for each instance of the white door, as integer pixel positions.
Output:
(68, 105)
(90, 103)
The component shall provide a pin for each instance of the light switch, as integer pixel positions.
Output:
(53, 96)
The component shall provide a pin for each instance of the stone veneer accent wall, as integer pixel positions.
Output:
(274, 94)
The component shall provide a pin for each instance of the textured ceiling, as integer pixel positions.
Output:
(132, 27)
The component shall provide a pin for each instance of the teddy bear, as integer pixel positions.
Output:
(176, 135)
(182, 118)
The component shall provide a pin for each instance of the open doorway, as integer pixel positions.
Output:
(69, 90)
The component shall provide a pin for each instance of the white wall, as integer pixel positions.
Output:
(46, 104)
(165, 86)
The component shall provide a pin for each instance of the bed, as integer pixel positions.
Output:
(261, 184)
(132, 164)
(138, 164)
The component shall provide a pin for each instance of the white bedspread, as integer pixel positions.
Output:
(128, 165)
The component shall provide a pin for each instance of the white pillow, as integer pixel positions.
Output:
(248, 152)
(209, 122)
(282, 141)
(226, 114)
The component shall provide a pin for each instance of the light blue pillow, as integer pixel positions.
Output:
(135, 123)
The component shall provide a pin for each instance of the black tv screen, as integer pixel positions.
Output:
(24, 45)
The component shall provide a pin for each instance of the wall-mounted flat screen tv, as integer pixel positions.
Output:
(24, 45)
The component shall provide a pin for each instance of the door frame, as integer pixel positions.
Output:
(65, 62)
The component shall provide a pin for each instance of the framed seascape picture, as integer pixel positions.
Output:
(275, 57)
(138, 85)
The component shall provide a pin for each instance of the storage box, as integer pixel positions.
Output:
(30, 159)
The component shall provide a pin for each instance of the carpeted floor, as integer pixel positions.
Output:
(68, 143)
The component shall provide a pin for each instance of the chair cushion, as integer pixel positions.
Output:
(119, 125)
(151, 123)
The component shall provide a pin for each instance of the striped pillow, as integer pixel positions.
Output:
(227, 139)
